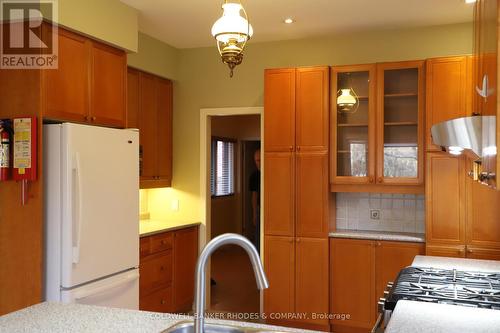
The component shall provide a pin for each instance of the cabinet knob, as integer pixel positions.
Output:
(371, 179)
(87, 118)
(163, 242)
(162, 301)
(290, 148)
(298, 240)
(93, 118)
(162, 268)
(378, 243)
(298, 148)
(469, 250)
(380, 179)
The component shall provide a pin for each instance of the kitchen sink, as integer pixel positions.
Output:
(188, 327)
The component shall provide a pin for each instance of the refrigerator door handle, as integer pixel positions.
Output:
(133, 275)
(77, 220)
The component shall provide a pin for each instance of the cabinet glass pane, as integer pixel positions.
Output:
(352, 127)
(401, 123)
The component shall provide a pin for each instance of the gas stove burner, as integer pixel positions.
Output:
(475, 289)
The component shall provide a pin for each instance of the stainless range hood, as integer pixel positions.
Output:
(476, 134)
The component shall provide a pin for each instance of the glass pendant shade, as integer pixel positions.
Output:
(347, 101)
(232, 31)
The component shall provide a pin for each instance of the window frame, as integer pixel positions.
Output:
(213, 154)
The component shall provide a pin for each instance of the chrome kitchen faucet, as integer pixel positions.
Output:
(214, 244)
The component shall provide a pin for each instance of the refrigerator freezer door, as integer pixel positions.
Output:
(100, 203)
(118, 291)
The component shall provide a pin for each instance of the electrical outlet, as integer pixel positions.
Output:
(375, 214)
(175, 205)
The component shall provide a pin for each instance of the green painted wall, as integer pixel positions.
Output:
(203, 82)
(155, 57)
(108, 20)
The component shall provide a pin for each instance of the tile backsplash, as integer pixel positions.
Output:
(398, 212)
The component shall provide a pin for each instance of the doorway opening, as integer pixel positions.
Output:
(235, 191)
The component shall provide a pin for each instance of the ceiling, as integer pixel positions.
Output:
(187, 23)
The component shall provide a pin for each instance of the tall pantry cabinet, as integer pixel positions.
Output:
(296, 138)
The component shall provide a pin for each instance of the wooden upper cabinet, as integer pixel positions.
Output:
(400, 126)
(279, 197)
(133, 98)
(448, 92)
(148, 125)
(311, 195)
(108, 95)
(391, 257)
(66, 89)
(311, 278)
(483, 222)
(279, 109)
(445, 199)
(352, 281)
(312, 101)
(279, 265)
(165, 91)
(90, 84)
(185, 257)
(352, 138)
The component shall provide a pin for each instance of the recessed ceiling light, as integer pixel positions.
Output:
(288, 20)
(470, 1)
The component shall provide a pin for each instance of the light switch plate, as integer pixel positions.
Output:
(375, 214)
(175, 205)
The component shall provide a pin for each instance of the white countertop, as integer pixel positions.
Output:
(151, 227)
(378, 235)
(423, 317)
(457, 263)
(77, 318)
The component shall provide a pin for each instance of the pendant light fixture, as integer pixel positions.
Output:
(347, 99)
(232, 31)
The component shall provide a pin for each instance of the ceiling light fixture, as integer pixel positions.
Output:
(232, 31)
(288, 20)
(470, 1)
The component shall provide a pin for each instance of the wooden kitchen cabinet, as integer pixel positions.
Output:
(167, 267)
(485, 80)
(279, 214)
(312, 195)
(312, 109)
(461, 214)
(379, 147)
(296, 192)
(352, 136)
(352, 282)
(400, 123)
(150, 105)
(448, 92)
(279, 106)
(90, 84)
(108, 85)
(279, 265)
(445, 199)
(359, 273)
(185, 258)
(311, 278)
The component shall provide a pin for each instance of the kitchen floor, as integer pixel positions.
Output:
(235, 290)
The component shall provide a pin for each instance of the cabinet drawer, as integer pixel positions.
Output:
(145, 246)
(156, 271)
(159, 301)
(161, 242)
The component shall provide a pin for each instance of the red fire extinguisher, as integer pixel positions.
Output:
(4, 154)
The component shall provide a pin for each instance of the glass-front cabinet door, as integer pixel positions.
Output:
(353, 124)
(400, 99)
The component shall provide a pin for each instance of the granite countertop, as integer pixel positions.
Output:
(378, 235)
(78, 318)
(424, 317)
(151, 227)
(457, 263)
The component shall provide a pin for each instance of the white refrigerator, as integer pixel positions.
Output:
(91, 196)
